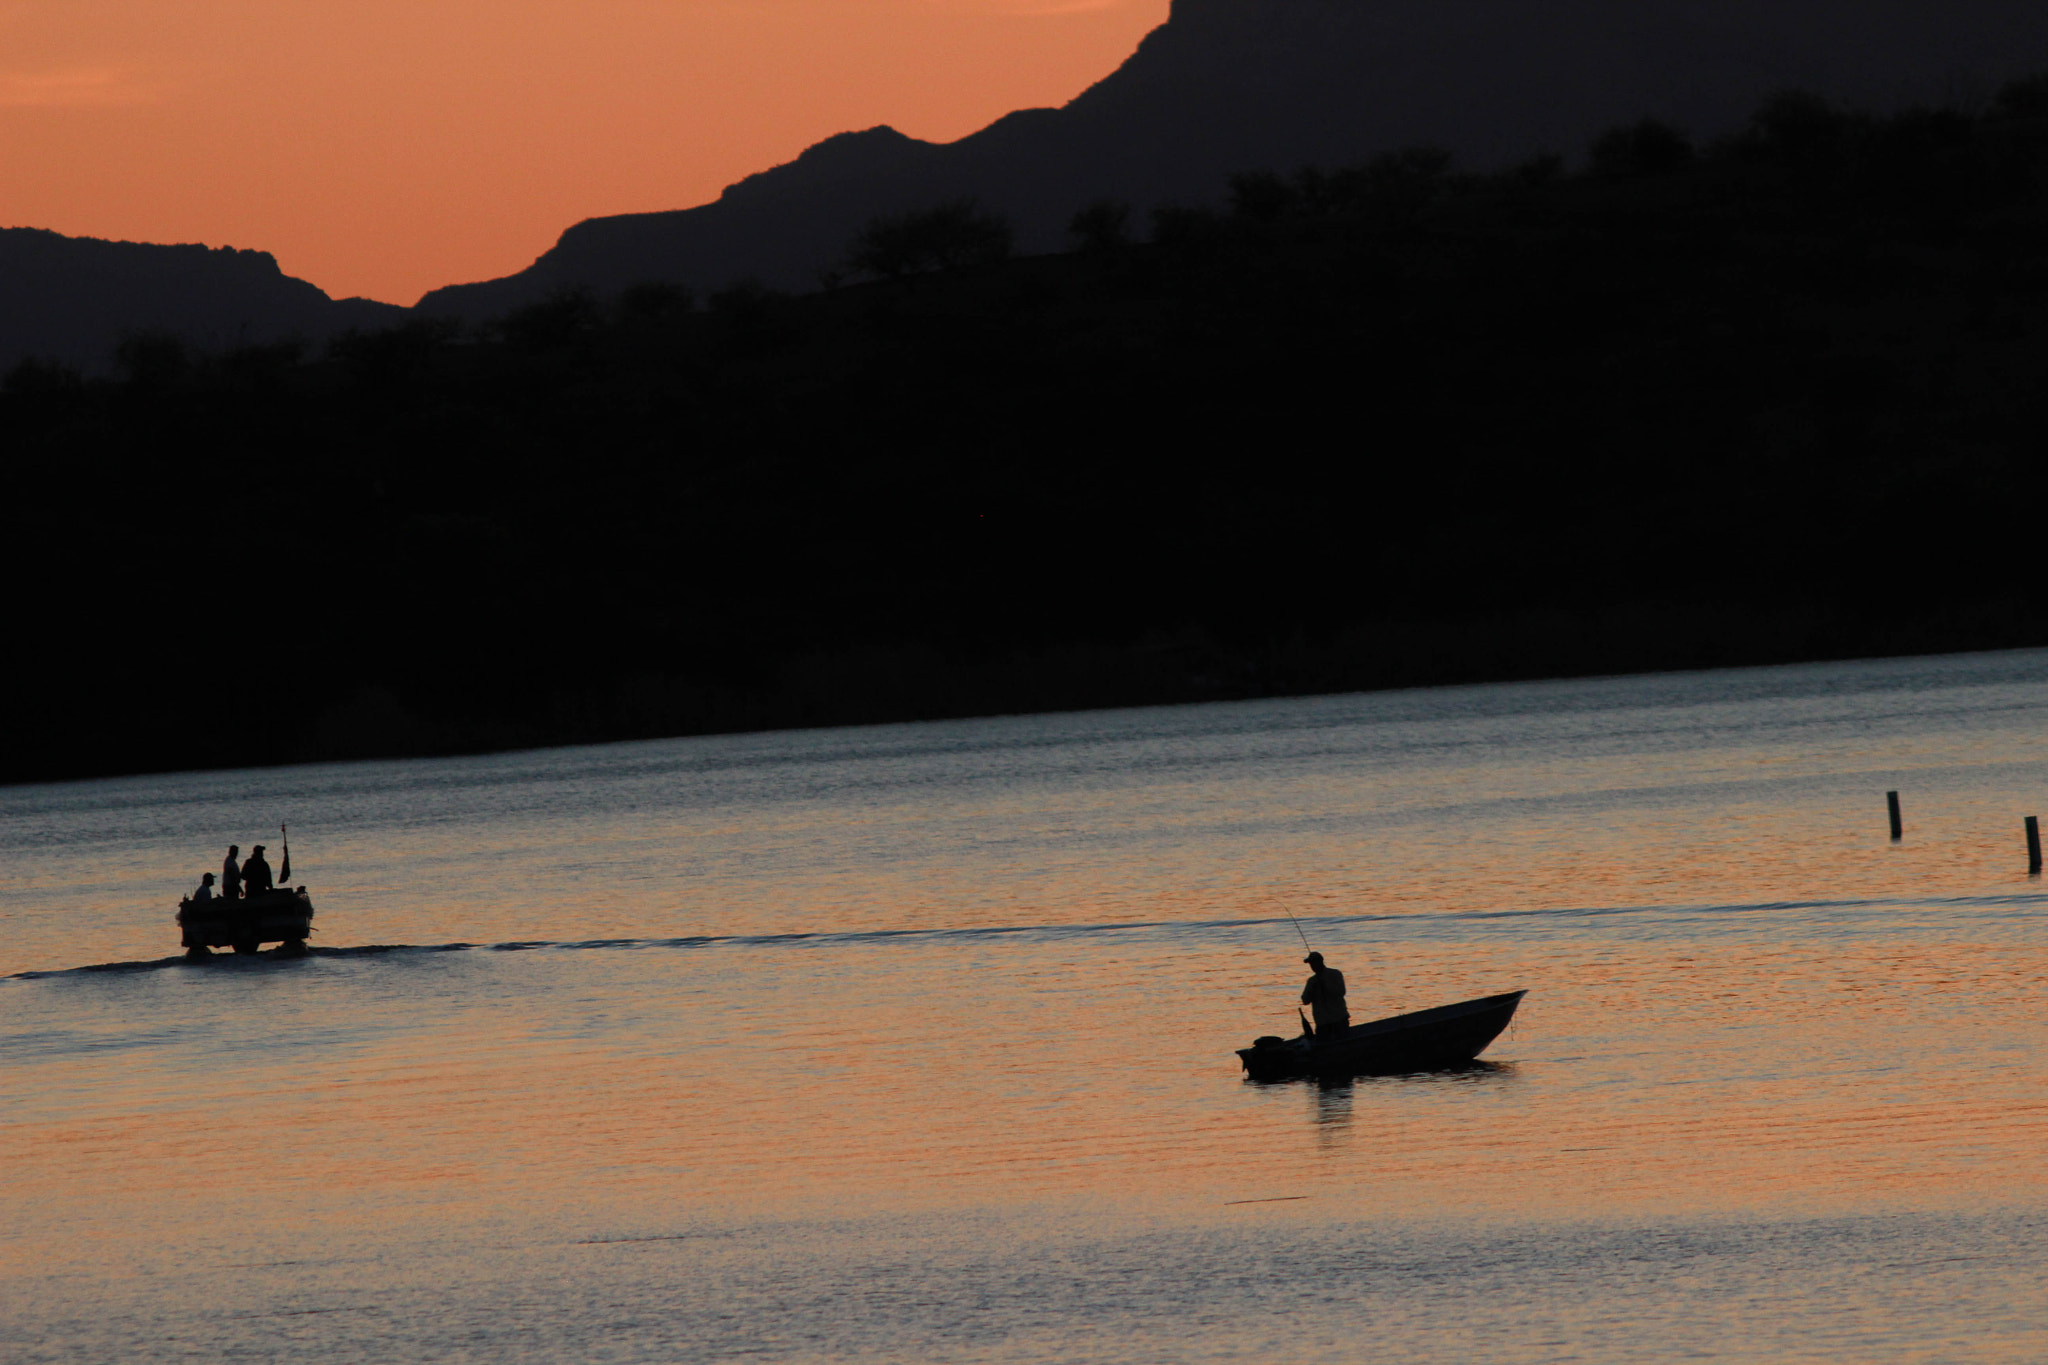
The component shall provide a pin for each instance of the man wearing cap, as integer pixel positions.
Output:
(1324, 995)
(255, 873)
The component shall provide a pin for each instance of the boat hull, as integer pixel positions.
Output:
(247, 924)
(1427, 1040)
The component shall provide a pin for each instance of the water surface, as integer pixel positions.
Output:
(914, 1042)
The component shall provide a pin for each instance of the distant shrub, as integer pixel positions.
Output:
(268, 355)
(2026, 97)
(654, 301)
(152, 360)
(1544, 168)
(1392, 188)
(41, 390)
(1260, 196)
(262, 366)
(943, 237)
(39, 379)
(1796, 124)
(1176, 225)
(750, 319)
(398, 354)
(1400, 185)
(1925, 164)
(1313, 191)
(748, 298)
(1410, 165)
(1104, 225)
(1645, 148)
(553, 323)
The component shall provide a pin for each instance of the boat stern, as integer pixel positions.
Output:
(1272, 1058)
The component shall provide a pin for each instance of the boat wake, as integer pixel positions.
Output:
(2029, 902)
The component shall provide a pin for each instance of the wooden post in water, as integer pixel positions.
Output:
(2033, 845)
(1898, 827)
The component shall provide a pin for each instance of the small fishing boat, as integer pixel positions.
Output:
(280, 916)
(1427, 1040)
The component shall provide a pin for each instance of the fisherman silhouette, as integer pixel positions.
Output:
(205, 891)
(1324, 995)
(231, 875)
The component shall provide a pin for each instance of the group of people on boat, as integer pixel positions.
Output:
(238, 878)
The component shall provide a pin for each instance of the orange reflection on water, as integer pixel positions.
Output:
(987, 978)
(1648, 1077)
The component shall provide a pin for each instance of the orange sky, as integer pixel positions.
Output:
(385, 147)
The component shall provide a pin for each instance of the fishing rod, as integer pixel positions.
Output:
(1306, 1030)
(1297, 925)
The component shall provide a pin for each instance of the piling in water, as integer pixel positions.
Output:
(2033, 845)
(1898, 827)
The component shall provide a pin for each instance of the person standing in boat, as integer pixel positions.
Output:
(255, 873)
(231, 875)
(1324, 995)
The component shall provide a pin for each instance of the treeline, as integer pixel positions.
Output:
(1779, 397)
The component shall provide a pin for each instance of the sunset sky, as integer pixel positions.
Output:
(386, 147)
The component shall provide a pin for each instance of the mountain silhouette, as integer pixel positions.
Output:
(1234, 85)
(73, 299)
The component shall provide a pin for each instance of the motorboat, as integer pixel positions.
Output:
(283, 916)
(1427, 1040)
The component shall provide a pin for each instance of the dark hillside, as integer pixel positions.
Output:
(1783, 399)
(74, 299)
(1229, 84)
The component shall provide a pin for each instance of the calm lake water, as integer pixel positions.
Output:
(914, 1042)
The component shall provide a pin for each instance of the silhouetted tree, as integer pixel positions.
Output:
(2023, 98)
(553, 323)
(748, 298)
(1645, 148)
(40, 392)
(1544, 168)
(1179, 225)
(747, 318)
(394, 356)
(1926, 166)
(152, 360)
(654, 301)
(1398, 186)
(1104, 225)
(36, 379)
(1797, 125)
(1260, 196)
(263, 366)
(943, 237)
(1392, 188)
(1313, 190)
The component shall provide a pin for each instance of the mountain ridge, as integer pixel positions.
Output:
(71, 300)
(1222, 86)
(1235, 85)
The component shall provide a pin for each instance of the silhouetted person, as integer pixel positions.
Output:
(256, 881)
(205, 891)
(231, 875)
(1324, 995)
